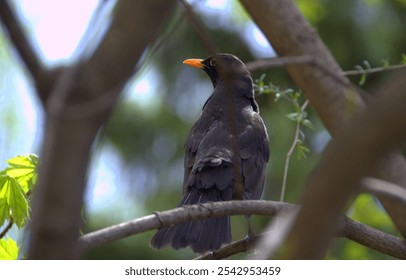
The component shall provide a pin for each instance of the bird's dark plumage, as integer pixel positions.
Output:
(215, 160)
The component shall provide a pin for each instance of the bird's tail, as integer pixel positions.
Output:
(201, 236)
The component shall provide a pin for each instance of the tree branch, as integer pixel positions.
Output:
(7, 228)
(374, 70)
(20, 40)
(199, 28)
(350, 229)
(355, 231)
(40, 74)
(331, 94)
(68, 140)
(266, 63)
(180, 215)
(372, 238)
(383, 188)
(351, 156)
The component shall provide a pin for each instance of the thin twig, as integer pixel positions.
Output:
(266, 63)
(233, 248)
(374, 70)
(292, 148)
(7, 228)
(263, 64)
(199, 28)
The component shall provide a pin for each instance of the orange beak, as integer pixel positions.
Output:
(195, 62)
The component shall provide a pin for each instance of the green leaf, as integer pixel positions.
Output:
(288, 91)
(23, 169)
(294, 116)
(367, 65)
(302, 150)
(385, 63)
(359, 68)
(15, 199)
(403, 61)
(363, 79)
(277, 96)
(4, 211)
(8, 249)
(307, 123)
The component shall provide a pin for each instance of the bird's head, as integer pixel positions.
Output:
(221, 67)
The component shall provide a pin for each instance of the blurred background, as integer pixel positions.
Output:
(137, 164)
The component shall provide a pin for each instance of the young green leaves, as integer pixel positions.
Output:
(16, 182)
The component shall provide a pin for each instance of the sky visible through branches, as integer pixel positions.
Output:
(56, 37)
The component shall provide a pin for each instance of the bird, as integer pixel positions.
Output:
(226, 154)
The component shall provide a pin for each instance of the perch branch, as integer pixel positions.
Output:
(350, 229)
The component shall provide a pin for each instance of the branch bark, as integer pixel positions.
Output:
(351, 156)
(266, 63)
(42, 77)
(355, 231)
(20, 40)
(67, 143)
(181, 215)
(334, 98)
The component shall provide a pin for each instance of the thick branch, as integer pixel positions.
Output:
(291, 35)
(180, 215)
(334, 98)
(383, 188)
(355, 231)
(68, 140)
(373, 238)
(348, 158)
(43, 78)
(20, 40)
(350, 229)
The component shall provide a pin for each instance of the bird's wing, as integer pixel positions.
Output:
(210, 164)
(254, 152)
(197, 133)
(209, 153)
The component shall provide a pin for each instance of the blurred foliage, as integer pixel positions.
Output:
(16, 182)
(354, 31)
(8, 249)
(365, 209)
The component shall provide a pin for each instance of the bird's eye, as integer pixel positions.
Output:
(212, 62)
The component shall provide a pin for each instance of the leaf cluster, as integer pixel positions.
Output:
(16, 183)
(298, 114)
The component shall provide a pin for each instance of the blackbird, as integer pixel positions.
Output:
(226, 151)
